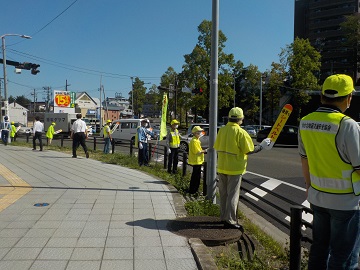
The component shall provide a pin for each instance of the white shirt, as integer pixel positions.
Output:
(79, 126)
(38, 127)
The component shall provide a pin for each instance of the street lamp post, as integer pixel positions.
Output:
(6, 101)
(261, 99)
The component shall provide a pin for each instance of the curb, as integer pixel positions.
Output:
(202, 255)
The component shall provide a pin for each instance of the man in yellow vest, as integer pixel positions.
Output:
(107, 137)
(173, 144)
(50, 133)
(233, 144)
(329, 146)
(12, 132)
(196, 159)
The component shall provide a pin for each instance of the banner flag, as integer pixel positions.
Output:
(163, 131)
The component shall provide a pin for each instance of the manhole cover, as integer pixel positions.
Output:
(41, 204)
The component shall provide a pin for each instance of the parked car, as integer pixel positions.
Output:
(250, 130)
(288, 135)
(23, 130)
(257, 127)
(185, 139)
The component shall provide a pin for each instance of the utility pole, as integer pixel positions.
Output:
(47, 89)
(35, 100)
(66, 85)
(0, 104)
(101, 126)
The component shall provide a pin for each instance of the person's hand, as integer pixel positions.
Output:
(140, 145)
(266, 144)
(169, 150)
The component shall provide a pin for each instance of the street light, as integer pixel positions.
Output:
(6, 102)
(261, 88)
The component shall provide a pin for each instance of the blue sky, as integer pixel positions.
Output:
(139, 38)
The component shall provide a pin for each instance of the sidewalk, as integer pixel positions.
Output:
(99, 216)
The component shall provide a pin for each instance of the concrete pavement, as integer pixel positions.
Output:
(99, 216)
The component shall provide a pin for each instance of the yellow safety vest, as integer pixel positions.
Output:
(50, 132)
(195, 158)
(175, 139)
(232, 145)
(12, 131)
(328, 172)
(106, 133)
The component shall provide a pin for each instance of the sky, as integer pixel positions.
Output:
(93, 42)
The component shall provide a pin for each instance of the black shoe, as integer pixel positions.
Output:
(40, 149)
(34, 149)
(174, 172)
(74, 156)
(169, 172)
(147, 165)
(232, 226)
(87, 154)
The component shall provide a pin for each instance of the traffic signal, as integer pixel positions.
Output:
(34, 70)
(197, 91)
(28, 66)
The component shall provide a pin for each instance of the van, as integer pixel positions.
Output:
(126, 129)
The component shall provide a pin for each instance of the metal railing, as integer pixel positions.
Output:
(298, 235)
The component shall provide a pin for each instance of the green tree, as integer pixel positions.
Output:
(301, 61)
(250, 93)
(138, 95)
(21, 100)
(169, 81)
(153, 97)
(197, 69)
(272, 93)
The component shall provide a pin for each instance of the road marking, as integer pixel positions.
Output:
(305, 216)
(270, 184)
(13, 194)
(282, 182)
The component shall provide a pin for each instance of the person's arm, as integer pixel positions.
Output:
(306, 173)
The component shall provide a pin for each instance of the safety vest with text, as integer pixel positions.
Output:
(328, 171)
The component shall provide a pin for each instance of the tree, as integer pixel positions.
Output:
(153, 97)
(21, 100)
(273, 94)
(250, 93)
(138, 94)
(197, 69)
(169, 81)
(301, 61)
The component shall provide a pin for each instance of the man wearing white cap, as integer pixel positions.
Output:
(329, 146)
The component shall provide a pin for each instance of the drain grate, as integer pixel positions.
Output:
(41, 204)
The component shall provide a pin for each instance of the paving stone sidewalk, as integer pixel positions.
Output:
(99, 216)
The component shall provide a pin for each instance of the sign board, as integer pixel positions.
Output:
(64, 101)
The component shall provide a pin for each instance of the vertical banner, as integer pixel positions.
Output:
(163, 131)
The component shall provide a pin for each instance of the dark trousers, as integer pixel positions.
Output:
(5, 136)
(143, 155)
(38, 135)
(173, 160)
(79, 139)
(195, 179)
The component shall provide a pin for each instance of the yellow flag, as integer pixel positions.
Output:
(163, 131)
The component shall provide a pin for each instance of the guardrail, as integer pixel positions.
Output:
(295, 226)
(297, 234)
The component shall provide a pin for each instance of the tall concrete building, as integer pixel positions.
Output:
(319, 21)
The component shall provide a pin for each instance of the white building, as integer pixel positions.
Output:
(18, 113)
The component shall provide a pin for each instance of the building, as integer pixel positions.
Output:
(17, 113)
(319, 21)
